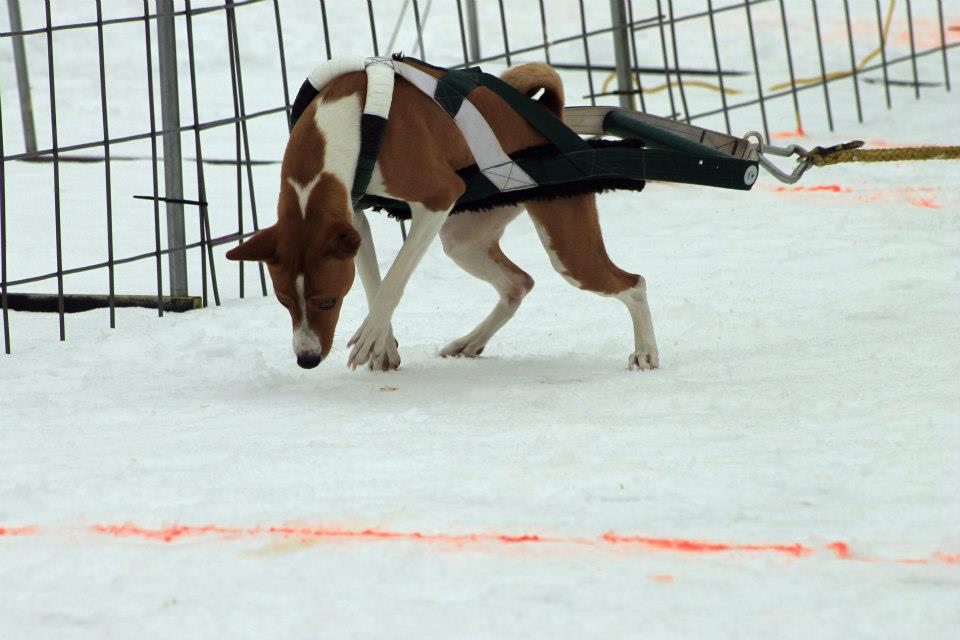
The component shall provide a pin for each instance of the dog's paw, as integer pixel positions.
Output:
(465, 347)
(389, 360)
(374, 345)
(643, 360)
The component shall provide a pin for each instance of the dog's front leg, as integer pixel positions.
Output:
(371, 339)
(369, 270)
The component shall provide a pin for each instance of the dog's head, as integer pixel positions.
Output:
(310, 260)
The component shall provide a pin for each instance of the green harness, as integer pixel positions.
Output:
(650, 148)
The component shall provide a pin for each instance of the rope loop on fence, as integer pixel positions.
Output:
(833, 75)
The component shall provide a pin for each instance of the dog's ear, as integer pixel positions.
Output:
(344, 241)
(261, 246)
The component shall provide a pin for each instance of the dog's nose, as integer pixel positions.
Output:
(309, 361)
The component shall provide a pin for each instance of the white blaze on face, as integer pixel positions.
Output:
(305, 341)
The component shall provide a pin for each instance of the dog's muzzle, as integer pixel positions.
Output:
(309, 361)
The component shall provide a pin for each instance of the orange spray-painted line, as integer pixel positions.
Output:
(169, 534)
(839, 550)
(694, 546)
(926, 203)
(834, 188)
(783, 135)
(18, 531)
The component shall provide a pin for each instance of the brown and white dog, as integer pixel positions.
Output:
(318, 240)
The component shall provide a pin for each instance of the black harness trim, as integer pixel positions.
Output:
(567, 166)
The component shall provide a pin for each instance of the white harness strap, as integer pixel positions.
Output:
(379, 79)
(491, 159)
(324, 73)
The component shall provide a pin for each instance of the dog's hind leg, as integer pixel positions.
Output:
(472, 240)
(570, 231)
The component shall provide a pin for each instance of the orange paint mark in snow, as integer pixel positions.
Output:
(175, 532)
(696, 546)
(18, 531)
(926, 203)
(834, 188)
(308, 534)
(784, 135)
(842, 551)
(661, 577)
(168, 534)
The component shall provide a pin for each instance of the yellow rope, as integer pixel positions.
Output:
(690, 83)
(834, 75)
(684, 83)
(820, 159)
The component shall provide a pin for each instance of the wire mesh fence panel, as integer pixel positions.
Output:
(119, 118)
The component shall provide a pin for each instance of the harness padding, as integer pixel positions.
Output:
(373, 120)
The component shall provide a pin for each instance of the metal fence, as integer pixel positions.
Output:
(87, 145)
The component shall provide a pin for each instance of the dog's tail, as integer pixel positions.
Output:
(530, 78)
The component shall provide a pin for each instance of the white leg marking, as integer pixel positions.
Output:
(370, 340)
(468, 239)
(369, 270)
(303, 191)
(645, 354)
(305, 341)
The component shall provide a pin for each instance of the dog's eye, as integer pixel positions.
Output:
(324, 304)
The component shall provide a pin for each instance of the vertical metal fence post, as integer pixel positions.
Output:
(756, 70)
(543, 30)
(621, 53)
(883, 55)
(913, 51)
(23, 78)
(632, 32)
(853, 61)
(55, 148)
(503, 29)
(473, 27)
(155, 181)
(172, 159)
(716, 58)
(463, 34)
(107, 177)
(666, 62)
(823, 69)
(4, 303)
(237, 79)
(676, 61)
(943, 45)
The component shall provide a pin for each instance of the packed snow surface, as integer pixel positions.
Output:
(791, 470)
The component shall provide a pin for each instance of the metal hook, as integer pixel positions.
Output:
(784, 152)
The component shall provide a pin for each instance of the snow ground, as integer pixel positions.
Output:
(809, 343)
